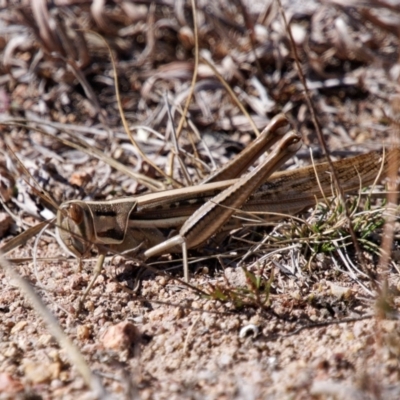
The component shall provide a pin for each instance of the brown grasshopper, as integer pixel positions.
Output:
(121, 225)
(133, 224)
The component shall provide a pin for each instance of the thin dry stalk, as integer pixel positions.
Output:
(125, 122)
(75, 356)
(391, 214)
(232, 94)
(193, 83)
(322, 141)
(195, 70)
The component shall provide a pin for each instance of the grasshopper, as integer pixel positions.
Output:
(121, 225)
(133, 224)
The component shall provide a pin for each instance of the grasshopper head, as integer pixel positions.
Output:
(75, 232)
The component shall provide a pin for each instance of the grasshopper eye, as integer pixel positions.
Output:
(76, 213)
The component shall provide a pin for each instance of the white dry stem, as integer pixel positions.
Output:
(73, 353)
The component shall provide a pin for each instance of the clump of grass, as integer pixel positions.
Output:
(326, 229)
